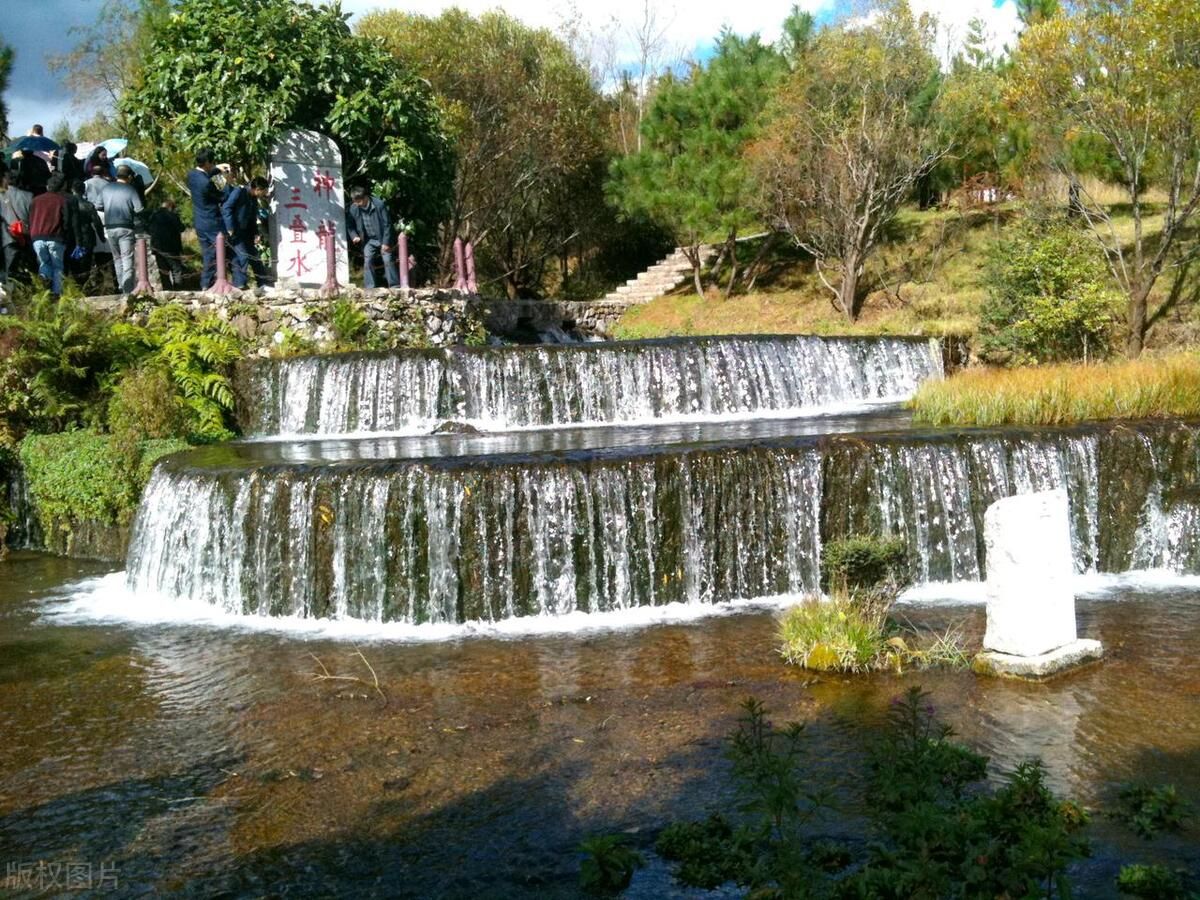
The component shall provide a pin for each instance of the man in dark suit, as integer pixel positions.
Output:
(206, 214)
(240, 212)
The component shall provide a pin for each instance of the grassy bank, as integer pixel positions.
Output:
(928, 279)
(1152, 388)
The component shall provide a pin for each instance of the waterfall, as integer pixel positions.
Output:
(24, 531)
(449, 541)
(501, 388)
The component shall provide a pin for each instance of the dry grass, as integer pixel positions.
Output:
(1151, 388)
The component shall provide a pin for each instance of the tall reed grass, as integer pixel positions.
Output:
(1150, 388)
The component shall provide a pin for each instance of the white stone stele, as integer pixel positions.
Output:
(308, 204)
(1030, 602)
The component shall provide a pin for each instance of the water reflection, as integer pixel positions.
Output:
(215, 761)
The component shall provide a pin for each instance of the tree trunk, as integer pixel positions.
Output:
(848, 300)
(1135, 341)
(733, 267)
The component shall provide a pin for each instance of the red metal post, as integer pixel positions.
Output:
(330, 287)
(460, 266)
(142, 263)
(221, 285)
(472, 284)
(402, 253)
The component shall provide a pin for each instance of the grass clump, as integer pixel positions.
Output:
(1151, 882)
(1168, 387)
(844, 633)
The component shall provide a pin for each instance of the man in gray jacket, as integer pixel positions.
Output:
(371, 230)
(122, 215)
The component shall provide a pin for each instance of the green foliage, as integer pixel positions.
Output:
(1150, 882)
(82, 476)
(608, 864)
(198, 355)
(529, 132)
(1048, 298)
(6, 63)
(939, 830)
(61, 362)
(690, 175)
(1152, 808)
(709, 853)
(289, 342)
(864, 563)
(232, 74)
(353, 328)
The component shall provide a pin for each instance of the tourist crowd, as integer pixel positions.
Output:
(62, 216)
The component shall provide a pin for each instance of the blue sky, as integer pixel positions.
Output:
(39, 28)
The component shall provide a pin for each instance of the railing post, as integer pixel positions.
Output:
(221, 284)
(472, 284)
(460, 275)
(330, 287)
(402, 260)
(142, 265)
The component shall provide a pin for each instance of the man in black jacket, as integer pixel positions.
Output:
(89, 231)
(166, 230)
(240, 215)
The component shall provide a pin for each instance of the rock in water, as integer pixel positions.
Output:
(1030, 602)
(456, 428)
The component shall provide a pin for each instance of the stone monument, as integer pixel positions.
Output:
(1030, 603)
(308, 208)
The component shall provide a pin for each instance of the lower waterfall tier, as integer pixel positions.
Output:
(422, 541)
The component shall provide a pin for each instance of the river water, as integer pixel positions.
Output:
(204, 761)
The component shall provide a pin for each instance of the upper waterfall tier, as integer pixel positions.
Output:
(503, 388)
(362, 534)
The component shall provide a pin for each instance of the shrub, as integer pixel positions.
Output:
(1049, 298)
(82, 476)
(146, 406)
(709, 853)
(1150, 809)
(1150, 882)
(864, 562)
(608, 864)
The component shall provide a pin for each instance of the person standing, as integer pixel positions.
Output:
(206, 214)
(166, 230)
(95, 185)
(240, 215)
(371, 230)
(122, 212)
(16, 206)
(89, 231)
(50, 223)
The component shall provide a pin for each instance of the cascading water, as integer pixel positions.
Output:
(501, 388)
(458, 540)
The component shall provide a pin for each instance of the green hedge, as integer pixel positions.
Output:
(864, 562)
(79, 476)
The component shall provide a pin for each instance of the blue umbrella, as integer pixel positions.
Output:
(114, 146)
(32, 143)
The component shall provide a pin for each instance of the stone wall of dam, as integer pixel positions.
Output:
(460, 539)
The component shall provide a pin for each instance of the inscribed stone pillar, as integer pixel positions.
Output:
(1030, 601)
(308, 208)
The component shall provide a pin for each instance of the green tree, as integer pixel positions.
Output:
(6, 64)
(232, 74)
(1118, 79)
(691, 175)
(849, 136)
(529, 130)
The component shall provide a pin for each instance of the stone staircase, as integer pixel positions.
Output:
(665, 275)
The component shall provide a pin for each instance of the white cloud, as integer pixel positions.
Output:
(954, 16)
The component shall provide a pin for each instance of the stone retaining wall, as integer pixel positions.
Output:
(434, 316)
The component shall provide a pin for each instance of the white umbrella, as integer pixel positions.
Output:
(139, 168)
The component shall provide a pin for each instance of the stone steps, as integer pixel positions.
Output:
(664, 276)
